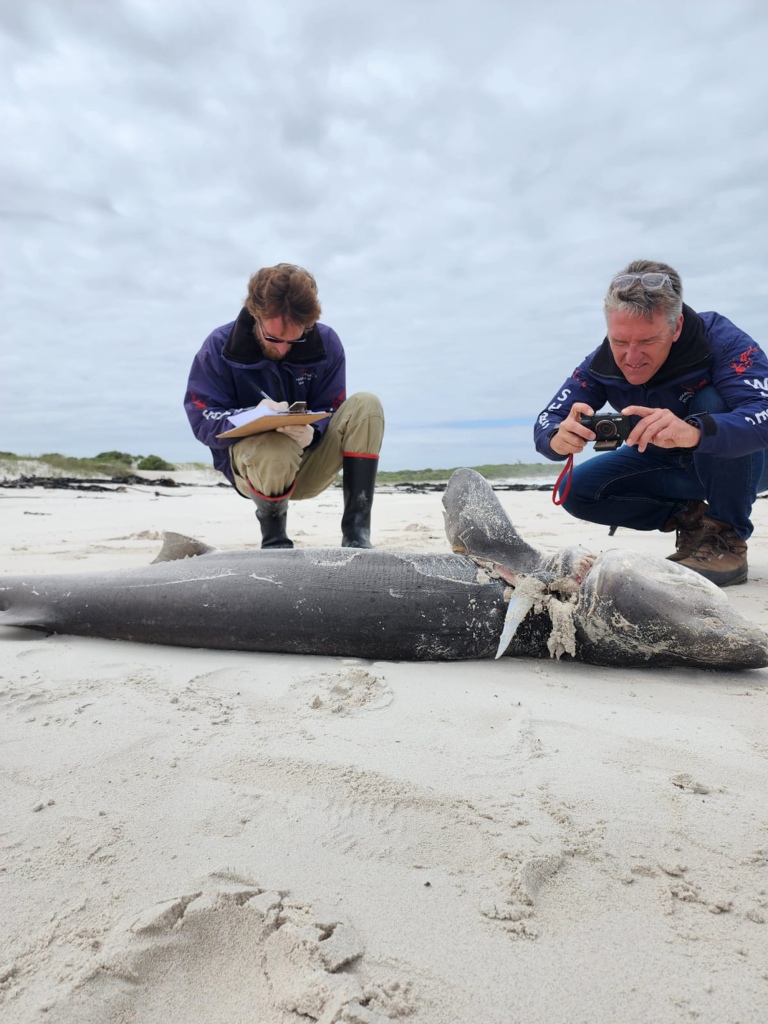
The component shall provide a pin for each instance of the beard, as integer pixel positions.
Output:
(268, 350)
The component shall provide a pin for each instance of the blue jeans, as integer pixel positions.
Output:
(642, 490)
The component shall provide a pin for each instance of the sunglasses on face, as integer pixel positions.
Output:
(651, 281)
(284, 341)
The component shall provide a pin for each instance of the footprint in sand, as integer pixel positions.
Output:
(347, 692)
(239, 953)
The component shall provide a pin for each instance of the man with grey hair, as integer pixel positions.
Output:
(695, 389)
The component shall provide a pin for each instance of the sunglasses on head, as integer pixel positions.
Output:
(651, 281)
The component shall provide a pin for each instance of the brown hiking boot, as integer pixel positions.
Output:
(690, 531)
(721, 555)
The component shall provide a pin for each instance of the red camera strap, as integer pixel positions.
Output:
(565, 479)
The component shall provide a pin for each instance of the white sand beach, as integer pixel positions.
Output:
(234, 838)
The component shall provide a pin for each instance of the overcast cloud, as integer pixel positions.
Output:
(463, 178)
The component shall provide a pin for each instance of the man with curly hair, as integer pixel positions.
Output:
(274, 354)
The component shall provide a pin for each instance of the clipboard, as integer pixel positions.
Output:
(279, 419)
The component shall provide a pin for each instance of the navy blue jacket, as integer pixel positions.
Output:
(710, 351)
(229, 366)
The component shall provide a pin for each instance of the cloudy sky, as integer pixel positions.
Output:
(463, 177)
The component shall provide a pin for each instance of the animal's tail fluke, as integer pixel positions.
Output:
(20, 606)
(177, 545)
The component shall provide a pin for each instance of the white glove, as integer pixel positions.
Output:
(302, 434)
(269, 403)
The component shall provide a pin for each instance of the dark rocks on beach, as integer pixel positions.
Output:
(115, 483)
(415, 487)
(73, 483)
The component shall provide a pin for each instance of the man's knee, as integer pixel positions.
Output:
(259, 449)
(582, 488)
(362, 405)
(359, 424)
(577, 503)
(268, 462)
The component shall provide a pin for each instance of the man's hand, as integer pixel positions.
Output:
(571, 437)
(660, 427)
(302, 434)
(269, 403)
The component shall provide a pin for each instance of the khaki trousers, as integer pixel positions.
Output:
(271, 462)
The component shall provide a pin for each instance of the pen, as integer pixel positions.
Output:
(263, 393)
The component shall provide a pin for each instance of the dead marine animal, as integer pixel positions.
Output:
(494, 594)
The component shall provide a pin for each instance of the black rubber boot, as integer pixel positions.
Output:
(359, 480)
(272, 514)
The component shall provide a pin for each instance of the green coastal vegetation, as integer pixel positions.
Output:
(103, 464)
(115, 464)
(504, 471)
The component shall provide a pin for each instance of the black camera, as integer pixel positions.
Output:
(610, 430)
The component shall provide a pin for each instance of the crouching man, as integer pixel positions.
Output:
(276, 353)
(696, 390)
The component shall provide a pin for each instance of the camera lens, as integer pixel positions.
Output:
(605, 429)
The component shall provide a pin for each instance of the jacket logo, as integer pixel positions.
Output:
(219, 414)
(745, 360)
(759, 385)
(689, 390)
(559, 399)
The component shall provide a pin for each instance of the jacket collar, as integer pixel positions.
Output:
(690, 352)
(242, 347)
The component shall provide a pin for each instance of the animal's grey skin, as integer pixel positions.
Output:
(637, 607)
(629, 609)
(354, 602)
(626, 610)
(477, 526)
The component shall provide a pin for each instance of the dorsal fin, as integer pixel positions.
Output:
(477, 525)
(177, 545)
